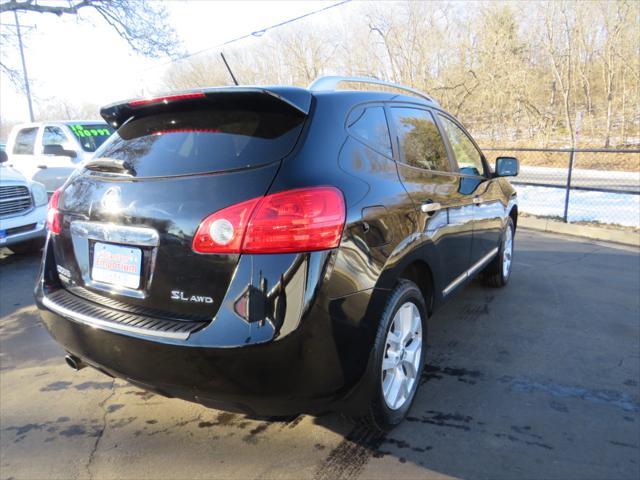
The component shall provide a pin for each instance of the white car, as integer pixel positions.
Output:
(23, 211)
(47, 152)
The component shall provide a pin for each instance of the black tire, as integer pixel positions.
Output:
(493, 273)
(25, 248)
(378, 416)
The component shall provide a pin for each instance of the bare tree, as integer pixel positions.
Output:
(586, 36)
(306, 52)
(143, 24)
(201, 71)
(515, 73)
(614, 16)
(66, 109)
(559, 46)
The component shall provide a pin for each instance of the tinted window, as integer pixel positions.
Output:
(91, 136)
(53, 136)
(25, 140)
(369, 124)
(420, 140)
(467, 155)
(203, 140)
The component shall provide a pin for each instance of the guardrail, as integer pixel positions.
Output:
(612, 172)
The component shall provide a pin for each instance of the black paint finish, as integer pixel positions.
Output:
(286, 333)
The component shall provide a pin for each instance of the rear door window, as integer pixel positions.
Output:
(369, 124)
(25, 141)
(203, 139)
(467, 155)
(420, 141)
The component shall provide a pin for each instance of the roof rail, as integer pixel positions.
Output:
(330, 84)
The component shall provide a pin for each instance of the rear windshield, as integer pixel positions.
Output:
(91, 136)
(203, 139)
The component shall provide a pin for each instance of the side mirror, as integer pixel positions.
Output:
(58, 151)
(507, 167)
(3, 156)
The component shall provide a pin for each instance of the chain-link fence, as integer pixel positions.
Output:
(577, 185)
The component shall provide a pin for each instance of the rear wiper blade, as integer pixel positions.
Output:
(110, 164)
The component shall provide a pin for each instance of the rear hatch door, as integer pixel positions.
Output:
(130, 215)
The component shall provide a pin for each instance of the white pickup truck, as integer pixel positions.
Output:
(47, 152)
(23, 211)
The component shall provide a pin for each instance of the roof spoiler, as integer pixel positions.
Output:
(296, 99)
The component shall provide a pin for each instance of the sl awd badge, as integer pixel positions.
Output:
(179, 295)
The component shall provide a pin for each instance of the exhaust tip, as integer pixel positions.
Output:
(74, 362)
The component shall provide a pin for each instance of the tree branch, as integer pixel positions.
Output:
(141, 23)
(30, 6)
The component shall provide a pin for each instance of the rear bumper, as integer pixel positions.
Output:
(268, 379)
(312, 363)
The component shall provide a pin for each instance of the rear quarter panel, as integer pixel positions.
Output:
(379, 213)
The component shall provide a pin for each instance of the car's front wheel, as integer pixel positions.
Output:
(397, 358)
(498, 272)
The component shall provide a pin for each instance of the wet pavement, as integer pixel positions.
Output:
(537, 380)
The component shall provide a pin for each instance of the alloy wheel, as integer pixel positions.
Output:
(507, 253)
(402, 354)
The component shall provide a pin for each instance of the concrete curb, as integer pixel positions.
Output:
(594, 233)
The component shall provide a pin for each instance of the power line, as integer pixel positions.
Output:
(257, 33)
(22, 26)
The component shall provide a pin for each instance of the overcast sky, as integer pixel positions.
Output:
(86, 61)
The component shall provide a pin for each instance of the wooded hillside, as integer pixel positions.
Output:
(517, 73)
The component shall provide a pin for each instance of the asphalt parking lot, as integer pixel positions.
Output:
(538, 380)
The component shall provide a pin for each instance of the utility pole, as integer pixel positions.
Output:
(24, 67)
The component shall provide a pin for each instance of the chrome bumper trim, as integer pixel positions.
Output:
(107, 232)
(474, 268)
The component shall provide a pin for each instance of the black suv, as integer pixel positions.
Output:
(273, 250)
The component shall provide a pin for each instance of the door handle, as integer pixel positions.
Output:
(42, 167)
(477, 200)
(429, 207)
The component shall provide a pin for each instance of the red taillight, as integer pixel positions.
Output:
(166, 99)
(223, 231)
(54, 222)
(300, 220)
